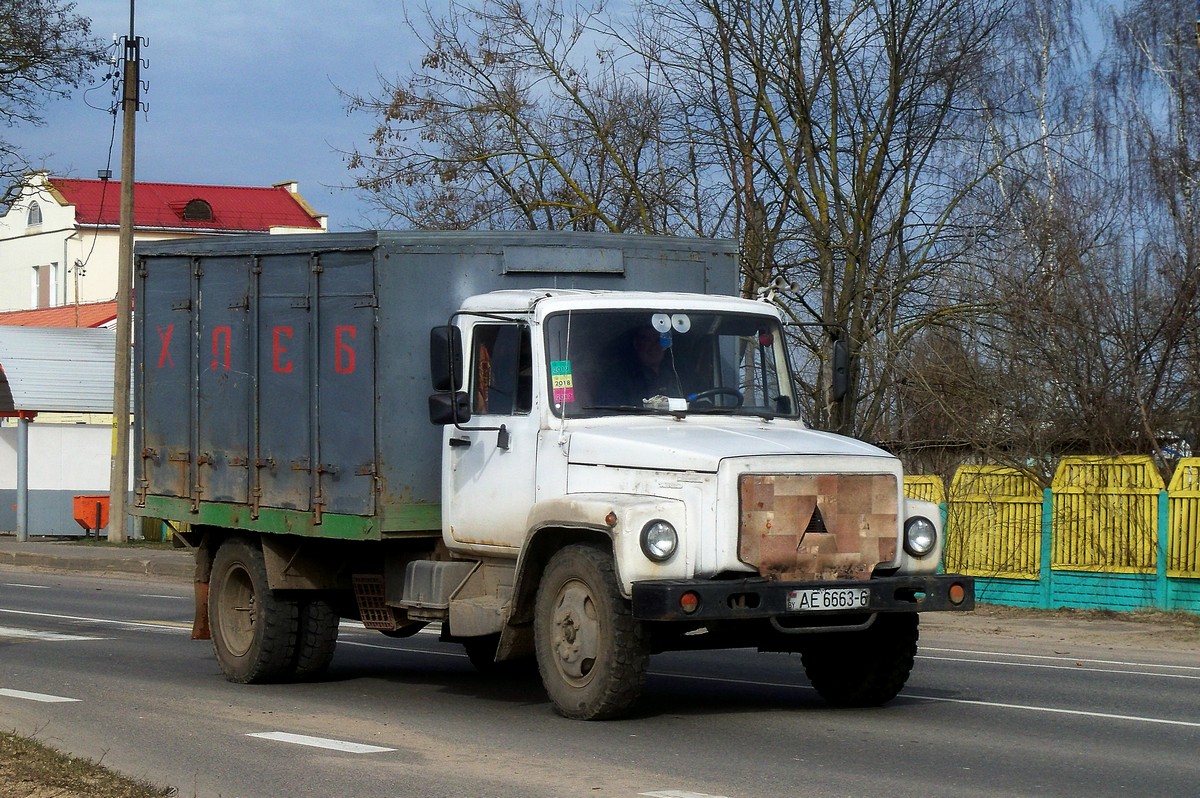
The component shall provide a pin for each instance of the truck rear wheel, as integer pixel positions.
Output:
(591, 652)
(254, 631)
(867, 668)
(316, 638)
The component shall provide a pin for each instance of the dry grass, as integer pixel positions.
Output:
(29, 769)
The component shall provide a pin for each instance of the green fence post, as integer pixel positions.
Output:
(1162, 595)
(1044, 569)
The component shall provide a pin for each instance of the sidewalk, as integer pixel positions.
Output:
(71, 555)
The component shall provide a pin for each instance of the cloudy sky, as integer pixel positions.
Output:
(242, 93)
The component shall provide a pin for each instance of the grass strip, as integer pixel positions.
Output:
(29, 769)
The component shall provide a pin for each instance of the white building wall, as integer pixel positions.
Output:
(56, 246)
(70, 457)
(65, 460)
(98, 251)
(25, 248)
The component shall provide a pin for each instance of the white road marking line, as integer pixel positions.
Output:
(1061, 658)
(678, 794)
(357, 626)
(967, 701)
(1077, 668)
(1054, 710)
(155, 595)
(321, 742)
(723, 680)
(158, 626)
(175, 626)
(42, 697)
(401, 648)
(31, 587)
(32, 634)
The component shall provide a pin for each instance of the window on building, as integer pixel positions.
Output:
(197, 210)
(35, 214)
(45, 279)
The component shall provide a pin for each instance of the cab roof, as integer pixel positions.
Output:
(556, 299)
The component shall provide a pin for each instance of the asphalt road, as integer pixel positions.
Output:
(103, 667)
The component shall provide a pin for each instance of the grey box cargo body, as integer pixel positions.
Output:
(282, 381)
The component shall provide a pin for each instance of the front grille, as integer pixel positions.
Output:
(798, 527)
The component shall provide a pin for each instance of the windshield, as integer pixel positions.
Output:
(640, 361)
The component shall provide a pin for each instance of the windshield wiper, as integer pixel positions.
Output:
(757, 412)
(623, 409)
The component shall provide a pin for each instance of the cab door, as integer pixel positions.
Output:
(489, 474)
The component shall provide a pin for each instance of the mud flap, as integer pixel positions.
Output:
(200, 627)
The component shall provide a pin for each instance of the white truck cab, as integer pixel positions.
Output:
(721, 518)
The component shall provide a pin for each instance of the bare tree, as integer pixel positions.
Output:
(1152, 80)
(523, 114)
(996, 383)
(928, 179)
(1088, 347)
(833, 121)
(45, 50)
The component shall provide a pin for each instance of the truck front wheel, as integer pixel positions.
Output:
(254, 631)
(591, 652)
(867, 668)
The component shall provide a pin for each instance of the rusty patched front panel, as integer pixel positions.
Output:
(859, 512)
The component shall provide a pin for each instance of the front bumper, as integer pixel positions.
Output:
(659, 600)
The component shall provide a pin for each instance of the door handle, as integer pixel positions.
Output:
(464, 442)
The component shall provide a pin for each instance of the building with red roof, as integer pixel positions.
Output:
(89, 314)
(59, 237)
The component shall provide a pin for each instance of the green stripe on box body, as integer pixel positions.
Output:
(415, 518)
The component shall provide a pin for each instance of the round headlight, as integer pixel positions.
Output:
(659, 540)
(920, 536)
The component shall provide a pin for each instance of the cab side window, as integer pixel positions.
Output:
(501, 370)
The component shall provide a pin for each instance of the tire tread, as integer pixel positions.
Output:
(624, 674)
(272, 654)
(316, 638)
(864, 669)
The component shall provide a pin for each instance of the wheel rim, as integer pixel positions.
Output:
(237, 615)
(575, 633)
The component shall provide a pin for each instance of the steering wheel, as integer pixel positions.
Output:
(711, 393)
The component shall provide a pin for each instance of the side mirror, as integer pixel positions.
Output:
(449, 408)
(840, 371)
(445, 357)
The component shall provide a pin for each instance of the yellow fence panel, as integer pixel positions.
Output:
(927, 488)
(1106, 514)
(993, 525)
(1183, 552)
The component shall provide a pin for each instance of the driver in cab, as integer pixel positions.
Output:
(645, 369)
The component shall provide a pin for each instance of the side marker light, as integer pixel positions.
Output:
(958, 593)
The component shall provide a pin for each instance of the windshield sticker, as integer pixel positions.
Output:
(560, 381)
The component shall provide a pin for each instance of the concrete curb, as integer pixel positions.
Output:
(56, 557)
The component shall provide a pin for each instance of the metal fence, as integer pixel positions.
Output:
(1106, 533)
(1106, 514)
(1183, 529)
(993, 523)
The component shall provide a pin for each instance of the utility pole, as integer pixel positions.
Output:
(118, 486)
